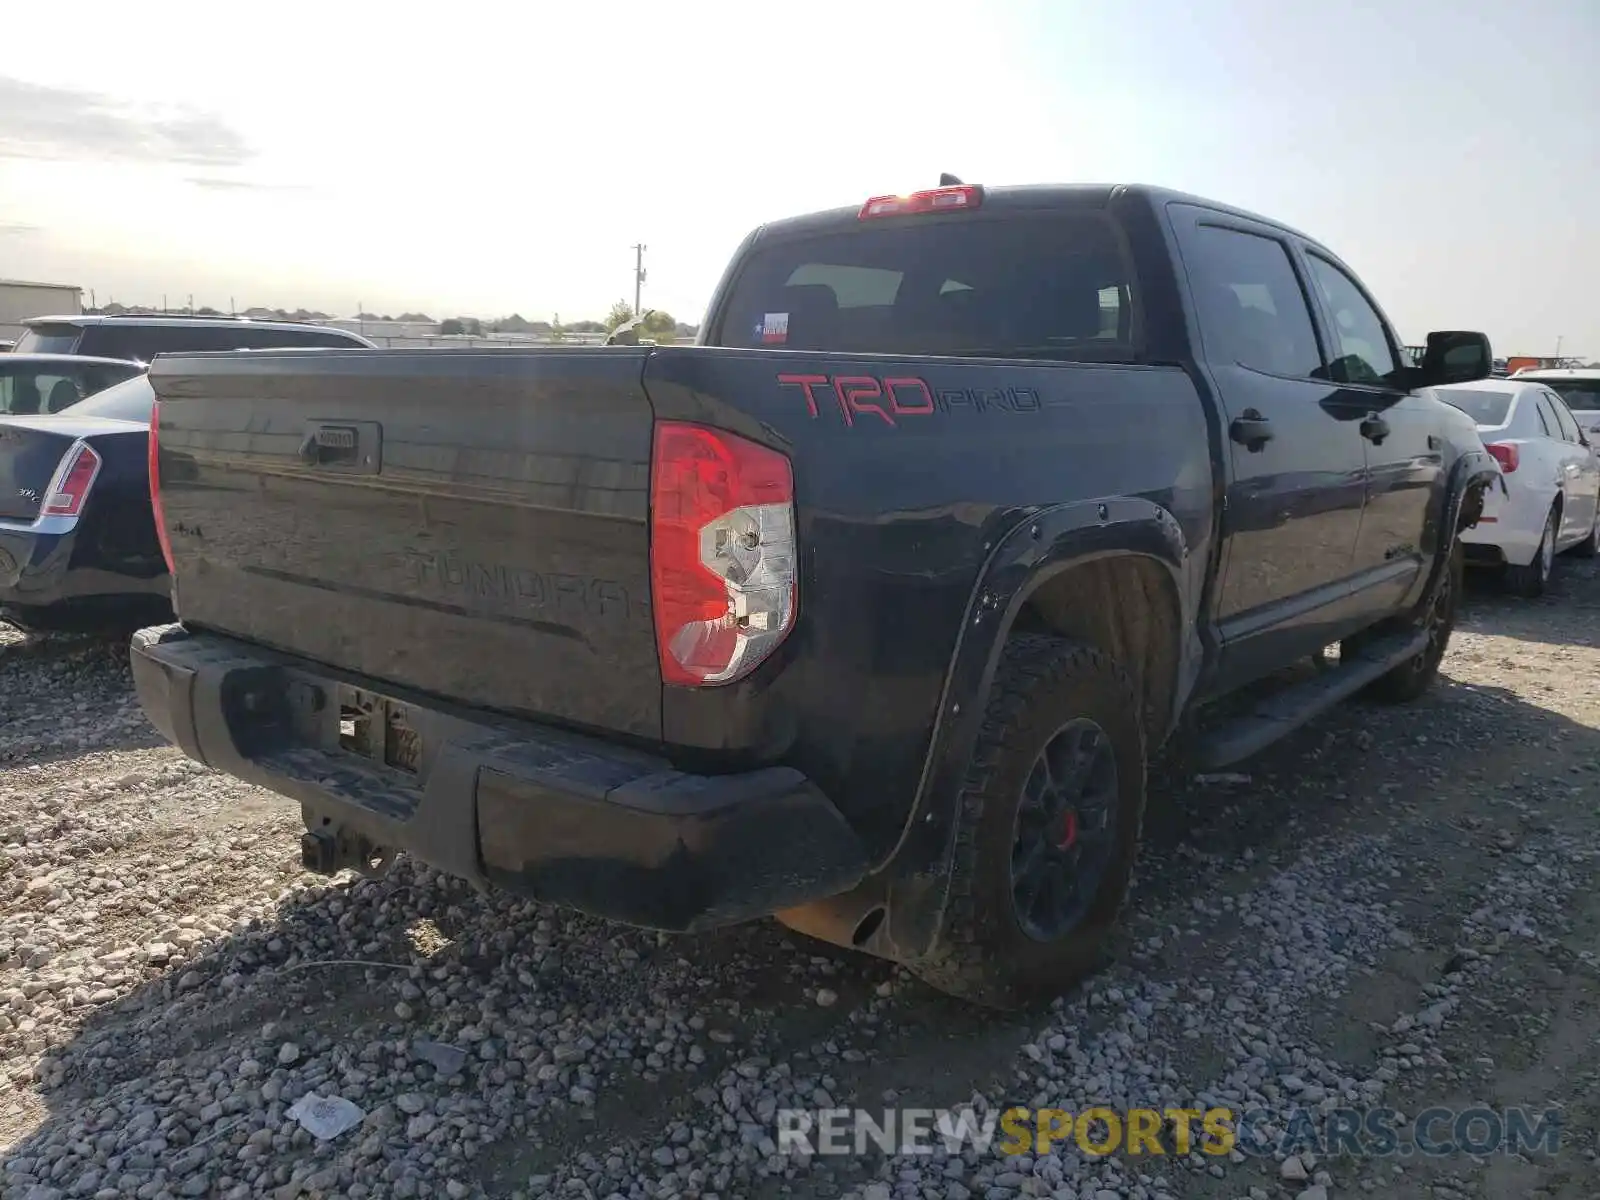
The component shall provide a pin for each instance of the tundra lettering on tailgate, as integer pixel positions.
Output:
(556, 594)
(898, 396)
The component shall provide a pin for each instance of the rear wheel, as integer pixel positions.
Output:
(1532, 579)
(1048, 827)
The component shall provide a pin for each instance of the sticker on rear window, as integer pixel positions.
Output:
(774, 329)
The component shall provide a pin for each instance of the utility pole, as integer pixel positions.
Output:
(191, 304)
(163, 302)
(1558, 347)
(638, 275)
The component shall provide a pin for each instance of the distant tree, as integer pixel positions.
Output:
(659, 326)
(515, 323)
(589, 327)
(205, 310)
(451, 326)
(621, 313)
(557, 333)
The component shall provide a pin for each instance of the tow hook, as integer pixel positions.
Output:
(328, 851)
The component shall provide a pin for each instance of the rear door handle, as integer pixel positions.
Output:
(1374, 428)
(1251, 430)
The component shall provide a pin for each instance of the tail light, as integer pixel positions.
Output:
(942, 199)
(74, 477)
(155, 485)
(722, 553)
(1505, 453)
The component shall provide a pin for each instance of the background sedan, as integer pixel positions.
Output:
(78, 547)
(1552, 498)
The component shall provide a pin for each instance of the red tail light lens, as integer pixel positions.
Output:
(155, 485)
(74, 477)
(942, 199)
(722, 553)
(1505, 453)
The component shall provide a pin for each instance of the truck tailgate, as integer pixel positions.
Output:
(470, 524)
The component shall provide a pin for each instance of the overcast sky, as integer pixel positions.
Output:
(488, 158)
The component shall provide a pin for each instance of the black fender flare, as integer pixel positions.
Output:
(912, 885)
(1471, 469)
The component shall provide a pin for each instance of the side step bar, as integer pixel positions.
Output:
(1281, 713)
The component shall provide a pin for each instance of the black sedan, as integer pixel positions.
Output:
(78, 547)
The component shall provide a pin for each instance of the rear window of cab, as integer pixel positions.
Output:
(1054, 286)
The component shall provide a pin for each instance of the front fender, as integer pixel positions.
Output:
(913, 882)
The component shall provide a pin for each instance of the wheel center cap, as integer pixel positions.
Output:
(1069, 830)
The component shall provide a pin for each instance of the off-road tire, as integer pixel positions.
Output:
(1416, 675)
(1530, 581)
(982, 954)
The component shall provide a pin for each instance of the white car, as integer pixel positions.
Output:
(1579, 387)
(1551, 501)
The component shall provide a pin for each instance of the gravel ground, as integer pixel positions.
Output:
(1395, 907)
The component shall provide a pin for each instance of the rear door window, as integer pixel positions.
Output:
(1547, 417)
(144, 342)
(284, 339)
(1569, 427)
(1251, 307)
(1035, 286)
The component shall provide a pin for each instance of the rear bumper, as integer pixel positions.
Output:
(37, 572)
(1510, 528)
(543, 813)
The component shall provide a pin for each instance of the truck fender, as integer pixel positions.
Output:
(897, 910)
(1473, 470)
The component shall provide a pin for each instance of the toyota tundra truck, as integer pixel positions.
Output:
(867, 611)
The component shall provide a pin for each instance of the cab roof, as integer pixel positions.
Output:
(1036, 197)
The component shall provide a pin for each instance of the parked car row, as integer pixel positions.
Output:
(74, 418)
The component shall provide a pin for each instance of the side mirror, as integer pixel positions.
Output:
(1455, 357)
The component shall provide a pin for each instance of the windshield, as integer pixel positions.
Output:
(1578, 393)
(48, 339)
(28, 388)
(1051, 286)
(127, 401)
(1482, 405)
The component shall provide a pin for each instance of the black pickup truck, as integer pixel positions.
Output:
(866, 612)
